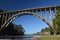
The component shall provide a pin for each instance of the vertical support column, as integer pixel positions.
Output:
(51, 23)
(12, 13)
(55, 12)
(55, 17)
(5, 17)
(0, 16)
(50, 17)
(40, 11)
(2, 19)
(45, 13)
(55, 22)
(32, 12)
(36, 12)
(9, 14)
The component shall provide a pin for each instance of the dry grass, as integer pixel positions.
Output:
(56, 37)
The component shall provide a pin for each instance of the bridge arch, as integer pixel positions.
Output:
(21, 14)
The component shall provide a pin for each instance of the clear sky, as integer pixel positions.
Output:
(30, 23)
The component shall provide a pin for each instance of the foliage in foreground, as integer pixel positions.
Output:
(13, 30)
(56, 22)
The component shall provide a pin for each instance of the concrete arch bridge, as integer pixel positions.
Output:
(7, 17)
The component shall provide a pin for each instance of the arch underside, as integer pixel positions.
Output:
(21, 14)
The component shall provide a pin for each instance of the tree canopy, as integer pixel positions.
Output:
(12, 29)
(56, 22)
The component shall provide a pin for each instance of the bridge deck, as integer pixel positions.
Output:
(30, 9)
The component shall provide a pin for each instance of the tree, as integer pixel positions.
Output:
(12, 29)
(20, 29)
(56, 22)
(47, 29)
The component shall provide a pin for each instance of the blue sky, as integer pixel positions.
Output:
(30, 23)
